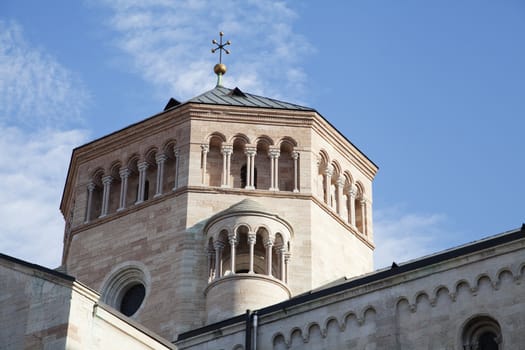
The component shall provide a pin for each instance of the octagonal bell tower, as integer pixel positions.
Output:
(226, 202)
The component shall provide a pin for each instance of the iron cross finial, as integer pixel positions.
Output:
(220, 47)
(220, 68)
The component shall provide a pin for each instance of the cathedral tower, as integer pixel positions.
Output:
(226, 202)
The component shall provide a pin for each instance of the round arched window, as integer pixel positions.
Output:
(126, 289)
(482, 333)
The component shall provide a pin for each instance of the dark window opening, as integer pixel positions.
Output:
(243, 271)
(244, 176)
(146, 190)
(132, 299)
(487, 341)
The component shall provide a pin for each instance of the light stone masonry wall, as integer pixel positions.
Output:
(427, 308)
(350, 253)
(41, 309)
(154, 236)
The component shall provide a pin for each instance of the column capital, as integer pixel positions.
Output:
(218, 245)
(232, 239)
(252, 238)
(329, 170)
(91, 186)
(268, 242)
(274, 153)
(160, 158)
(295, 155)
(341, 181)
(143, 165)
(353, 191)
(287, 256)
(227, 149)
(205, 147)
(107, 179)
(250, 151)
(281, 248)
(124, 172)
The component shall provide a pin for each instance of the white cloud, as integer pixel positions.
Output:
(35, 90)
(169, 44)
(31, 181)
(404, 236)
(39, 98)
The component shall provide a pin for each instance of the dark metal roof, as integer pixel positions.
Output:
(246, 205)
(221, 95)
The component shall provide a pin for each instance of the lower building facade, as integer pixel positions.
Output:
(467, 298)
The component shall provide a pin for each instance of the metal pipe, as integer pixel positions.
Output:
(254, 319)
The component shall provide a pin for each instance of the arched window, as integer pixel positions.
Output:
(126, 289)
(237, 162)
(214, 163)
(286, 168)
(482, 333)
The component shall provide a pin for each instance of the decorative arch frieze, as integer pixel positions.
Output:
(364, 315)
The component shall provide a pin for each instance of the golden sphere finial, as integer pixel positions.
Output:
(220, 68)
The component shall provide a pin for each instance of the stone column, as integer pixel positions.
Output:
(340, 187)
(295, 156)
(252, 237)
(177, 158)
(353, 194)
(106, 182)
(218, 245)
(250, 167)
(227, 151)
(363, 215)
(369, 221)
(90, 187)
(328, 172)
(210, 254)
(142, 180)
(287, 257)
(232, 239)
(160, 159)
(204, 149)
(282, 263)
(124, 174)
(274, 169)
(268, 244)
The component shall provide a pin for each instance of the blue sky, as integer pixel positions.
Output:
(432, 91)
